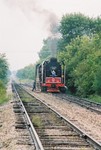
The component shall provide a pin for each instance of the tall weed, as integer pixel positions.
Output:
(3, 96)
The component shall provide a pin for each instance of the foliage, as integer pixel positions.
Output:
(3, 68)
(2, 88)
(80, 49)
(3, 78)
(3, 96)
(95, 98)
(26, 73)
(74, 25)
(83, 60)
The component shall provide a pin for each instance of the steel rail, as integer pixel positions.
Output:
(83, 102)
(90, 101)
(32, 130)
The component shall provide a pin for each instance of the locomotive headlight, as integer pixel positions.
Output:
(62, 75)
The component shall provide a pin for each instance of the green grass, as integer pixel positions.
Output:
(36, 120)
(95, 98)
(3, 99)
(3, 96)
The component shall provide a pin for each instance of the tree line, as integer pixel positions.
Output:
(80, 48)
(27, 72)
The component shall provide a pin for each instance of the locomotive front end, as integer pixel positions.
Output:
(52, 76)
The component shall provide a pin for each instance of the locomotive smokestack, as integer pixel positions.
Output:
(53, 46)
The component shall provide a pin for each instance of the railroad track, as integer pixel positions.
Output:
(93, 106)
(23, 124)
(54, 131)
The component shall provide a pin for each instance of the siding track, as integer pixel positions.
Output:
(93, 106)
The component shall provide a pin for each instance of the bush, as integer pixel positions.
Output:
(83, 65)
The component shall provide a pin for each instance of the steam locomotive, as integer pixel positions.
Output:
(50, 76)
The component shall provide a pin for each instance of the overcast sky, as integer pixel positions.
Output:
(25, 23)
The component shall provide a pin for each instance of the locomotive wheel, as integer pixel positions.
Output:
(43, 89)
(62, 89)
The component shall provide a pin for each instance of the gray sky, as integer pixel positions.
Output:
(25, 23)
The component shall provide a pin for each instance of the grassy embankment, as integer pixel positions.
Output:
(3, 95)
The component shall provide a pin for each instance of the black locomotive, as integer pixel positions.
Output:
(50, 76)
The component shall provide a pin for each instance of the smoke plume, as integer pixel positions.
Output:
(50, 23)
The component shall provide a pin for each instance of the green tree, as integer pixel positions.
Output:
(3, 68)
(26, 73)
(97, 71)
(74, 25)
(83, 60)
(3, 77)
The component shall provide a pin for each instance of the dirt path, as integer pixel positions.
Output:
(8, 135)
